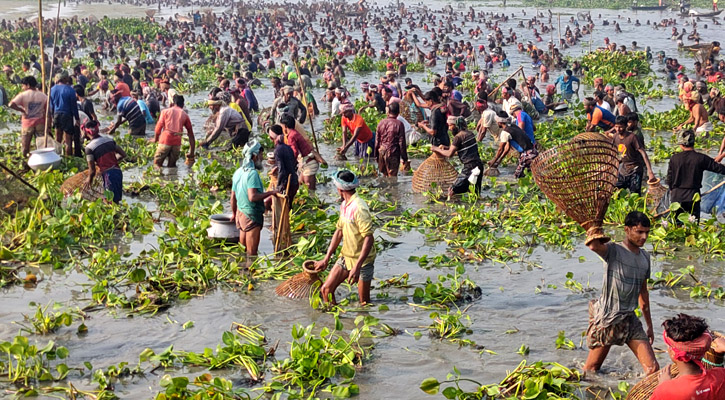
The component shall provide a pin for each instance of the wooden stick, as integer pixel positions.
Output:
(521, 68)
(282, 217)
(52, 58)
(304, 102)
(714, 188)
(18, 177)
(559, 16)
(42, 48)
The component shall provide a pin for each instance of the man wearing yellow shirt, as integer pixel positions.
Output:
(355, 231)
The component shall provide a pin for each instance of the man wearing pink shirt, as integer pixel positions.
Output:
(302, 149)
(31, 103)
(168, 133)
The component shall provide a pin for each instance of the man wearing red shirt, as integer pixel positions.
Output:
(362, 136)
(302, 149)
(687, 339)
(120, 85)
(168, 132)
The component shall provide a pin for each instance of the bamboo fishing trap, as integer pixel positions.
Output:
(643, 389)
(579, 177)
(77, 182)
(434, 170)
(300, 286)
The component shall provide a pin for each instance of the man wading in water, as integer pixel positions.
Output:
(355, 226)
(612, 320)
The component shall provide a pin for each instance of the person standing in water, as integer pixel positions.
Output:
(355, 231)
(612, 320)
(248, 196)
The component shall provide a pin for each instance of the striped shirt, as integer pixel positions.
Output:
(102, 150)
(129, 109)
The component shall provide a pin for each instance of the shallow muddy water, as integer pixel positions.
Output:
(515, 296)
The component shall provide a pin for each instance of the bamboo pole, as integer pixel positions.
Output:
(52, 59)
(283, 216)
(521, 68)
(18, 177)
(42, 49)
(304, 102)
(559, 17)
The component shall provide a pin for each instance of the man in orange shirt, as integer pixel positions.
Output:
(120, 86)
(597, 117)
(168, 134)
(362, 136)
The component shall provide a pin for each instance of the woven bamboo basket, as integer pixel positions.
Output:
(300, 285)
(643, 389)
(656, 193)
(579, 177)
(435, 169)
(409, 110)
(77, 181)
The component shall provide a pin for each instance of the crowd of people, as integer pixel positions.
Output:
(143, 94)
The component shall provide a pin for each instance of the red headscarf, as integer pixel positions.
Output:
(694, 350)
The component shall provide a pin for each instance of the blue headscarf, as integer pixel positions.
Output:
(251, 149)
(343, 185)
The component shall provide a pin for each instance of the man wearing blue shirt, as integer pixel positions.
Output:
(524, 121)
(65, 114)
(566, 83)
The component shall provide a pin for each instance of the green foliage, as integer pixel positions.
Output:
(46, 321)
(243, 348)
(615, 67)
(450, 326)
(25, 364)
(562, 342)
(48, 229)
(131, 26)
(361, 63)
(449, 289)
(324, 361)
(204, 387)
(540, 380)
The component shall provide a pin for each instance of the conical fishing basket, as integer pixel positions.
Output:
(77, 182)
(643, 389)
(409, 111)
(434, 170)
(579, 177)
(300, 285)
(150, 13)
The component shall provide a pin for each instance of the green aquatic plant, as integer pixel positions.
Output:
(203, 387)
(361, 63)
(321, 362)
(540, 380)
(451, 326)
(446, 290)
(25, 364)
(562, 342)
(48, 320)
(243, 347)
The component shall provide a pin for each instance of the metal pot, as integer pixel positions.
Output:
(222, 227)
(43, 159)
